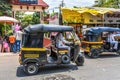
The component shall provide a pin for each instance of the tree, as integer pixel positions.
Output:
(36, 18)
(26, 20)
(19, 15)
(5, 7)
(108, 3)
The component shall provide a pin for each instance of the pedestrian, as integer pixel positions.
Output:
(5, 46)
(18, 41)
(17, 27)
(0, 42)
(12, 41)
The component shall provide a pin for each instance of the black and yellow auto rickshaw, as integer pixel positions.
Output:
(35, 54)
(95, 42)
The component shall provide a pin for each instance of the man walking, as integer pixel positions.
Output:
(18, 36)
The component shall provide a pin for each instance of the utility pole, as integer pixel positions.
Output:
(60, 14)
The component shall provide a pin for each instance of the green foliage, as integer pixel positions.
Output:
(108, 3)
(1, 13)
(36, 18)
(3, 27)
(5, 7)
(19, 15)
(26, 20)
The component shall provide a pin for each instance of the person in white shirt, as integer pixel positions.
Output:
(60, 43)
(18, 42)
(112, 40)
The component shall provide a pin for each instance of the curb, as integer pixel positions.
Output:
(5, 54)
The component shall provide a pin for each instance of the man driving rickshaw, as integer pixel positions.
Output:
(36, 53)
(95, 41)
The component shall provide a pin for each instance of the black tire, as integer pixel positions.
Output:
(65, 59)
(118, 52)
(31, 69)
(80, 61)
(94, 53)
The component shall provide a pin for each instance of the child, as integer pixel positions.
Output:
(5, 46)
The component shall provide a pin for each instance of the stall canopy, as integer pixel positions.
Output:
(76, 14)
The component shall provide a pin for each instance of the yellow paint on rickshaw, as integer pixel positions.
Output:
(33, 49)
(96, 46)
(87, 42)
(31, 55)
(86, 50)
(63, 51)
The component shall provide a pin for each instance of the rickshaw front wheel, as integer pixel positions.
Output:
(31, 69)
(80, 61)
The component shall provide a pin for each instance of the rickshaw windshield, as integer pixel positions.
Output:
(92, 37)
(71, 35)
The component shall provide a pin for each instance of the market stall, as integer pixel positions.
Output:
(90, 16)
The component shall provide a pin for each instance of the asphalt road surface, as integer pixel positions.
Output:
(107, 67)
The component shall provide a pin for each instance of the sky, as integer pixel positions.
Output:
(69, 3)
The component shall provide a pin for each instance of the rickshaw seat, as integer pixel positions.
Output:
(54, 47)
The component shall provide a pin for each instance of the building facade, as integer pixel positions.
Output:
(29, 5)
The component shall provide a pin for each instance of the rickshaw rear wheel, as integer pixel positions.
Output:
(118, 52)
(80, 61)
(31, 69)
(94, 53)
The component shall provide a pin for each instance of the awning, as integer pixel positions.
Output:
(75, 14)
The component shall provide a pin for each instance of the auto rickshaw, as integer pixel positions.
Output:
(95, 42)
(34, 53)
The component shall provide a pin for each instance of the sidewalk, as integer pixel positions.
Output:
(4, 54)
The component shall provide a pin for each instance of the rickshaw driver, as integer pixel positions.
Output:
(112, 40)
(60, 43)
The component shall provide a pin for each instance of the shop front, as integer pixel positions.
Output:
(81, 18)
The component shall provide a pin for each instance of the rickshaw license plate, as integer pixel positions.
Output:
(31, 55)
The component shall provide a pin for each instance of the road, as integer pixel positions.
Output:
(107, 67)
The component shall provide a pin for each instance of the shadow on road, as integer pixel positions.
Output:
(103, 56)
(109, 56)
(48, 70)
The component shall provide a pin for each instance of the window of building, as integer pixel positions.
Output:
(90, 20)
(29, 1)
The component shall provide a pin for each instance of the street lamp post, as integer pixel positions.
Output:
(60, 14)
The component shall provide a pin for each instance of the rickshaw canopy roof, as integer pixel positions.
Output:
(47, 28)
(98, 30)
